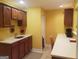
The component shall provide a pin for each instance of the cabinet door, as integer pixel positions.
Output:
(23, 27)
(14, 14)
(15, 51)
(21, 50)
(19, 15)
(7, 16)
(29, 43)
(68, 17)
(19, 18)
(23, 14)
(1, 15)
(26, 46)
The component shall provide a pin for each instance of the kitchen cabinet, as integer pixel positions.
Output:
(29, 43)
(5, 15)
(8, 14)
(21, 18)
(5, 50)
(14, 13)
(68, 17)
(1, 15)
(26, 46)
(19, 15)
(21, 49)
(16, 50)
(24, 18)
(23, 23)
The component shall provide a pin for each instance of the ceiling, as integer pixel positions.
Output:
(45, 4)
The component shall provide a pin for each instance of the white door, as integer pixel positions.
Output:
(44, 29)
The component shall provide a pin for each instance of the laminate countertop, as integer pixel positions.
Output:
(12, 39)
(64, 48)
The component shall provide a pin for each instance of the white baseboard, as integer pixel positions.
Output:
(36, 50)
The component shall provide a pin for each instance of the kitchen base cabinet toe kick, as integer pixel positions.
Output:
(16, 50)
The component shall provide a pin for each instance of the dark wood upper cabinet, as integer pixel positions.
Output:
(1, 15)
(14, 14)
(68, 17)
(20, 16)
(8, 13)
(7, 16)
(24, 18)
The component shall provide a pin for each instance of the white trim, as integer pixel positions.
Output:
(36, 50)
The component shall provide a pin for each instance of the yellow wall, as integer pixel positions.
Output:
(75, 17)
(75, 20)
(34, 26)
(5, 32)
(54, 23)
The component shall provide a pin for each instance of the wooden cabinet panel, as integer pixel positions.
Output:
(1, 15)
(8, 13)
(26, 46)
(29, 43)
(19, 15)
(21, 18)
(5, 50)
(7, 16)
(21, 49)
(24, 18)
(14, 13)
(23, 25)
(68, 17)
(15, 50)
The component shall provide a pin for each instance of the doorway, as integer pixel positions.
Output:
(43, 31)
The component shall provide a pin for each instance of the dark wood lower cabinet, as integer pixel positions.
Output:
(26, 46)
(29, 43)
(15, 50)
(21, 50)
(18, 49)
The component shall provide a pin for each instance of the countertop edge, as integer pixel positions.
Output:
(12, 40)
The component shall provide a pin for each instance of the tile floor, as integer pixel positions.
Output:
(33, 55)
(45, 55)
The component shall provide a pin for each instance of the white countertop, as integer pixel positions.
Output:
(74, 32)
(63, 47)
(13, 39)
